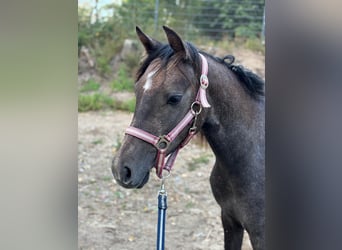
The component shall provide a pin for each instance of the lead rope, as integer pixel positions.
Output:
(162, 206)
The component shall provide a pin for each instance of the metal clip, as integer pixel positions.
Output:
(194, 127)
(162, 187)
(162, 190)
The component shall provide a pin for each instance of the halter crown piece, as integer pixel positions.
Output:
(162, 142)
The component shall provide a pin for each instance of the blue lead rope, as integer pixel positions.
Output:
(162, 206)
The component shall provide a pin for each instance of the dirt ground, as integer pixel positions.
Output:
(111, 217)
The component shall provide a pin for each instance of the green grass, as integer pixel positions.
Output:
(101, 101)
(89, 102)
(91, 85)
(98, 141)
(119, 195)
(229, 45)
(225, 44)
(102, 64)
(255, 44)
(107, 178)
(123, 81)
(189, 205)
(128, 105)
(195, 163)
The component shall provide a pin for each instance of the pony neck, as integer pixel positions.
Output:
(234, 125)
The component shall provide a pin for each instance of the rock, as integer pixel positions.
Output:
(85, 62)
(86, 66)
(130, 46)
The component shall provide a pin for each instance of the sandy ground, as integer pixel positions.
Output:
(111, 217)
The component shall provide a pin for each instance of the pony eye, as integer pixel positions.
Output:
(174, 99)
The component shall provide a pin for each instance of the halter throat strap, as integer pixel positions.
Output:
(162, 142)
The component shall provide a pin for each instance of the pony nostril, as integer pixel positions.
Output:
(126, 174)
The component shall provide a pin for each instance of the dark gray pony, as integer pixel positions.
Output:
(167, 83)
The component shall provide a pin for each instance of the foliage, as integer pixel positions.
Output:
(219, 23)
(102, 64)
(100, 101)
(241, 18)
(94, 102)
(193, 18)
(123, 82)
(133, 12)
(255, 45)
(84, 27)
(104, 38)
(91, 85)
(89, 102)
(132, 61)
(128, 105)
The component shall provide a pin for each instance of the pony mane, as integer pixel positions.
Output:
(252, 83)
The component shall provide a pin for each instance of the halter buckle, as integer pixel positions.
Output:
(204, 81)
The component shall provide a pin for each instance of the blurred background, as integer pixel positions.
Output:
(109, 53)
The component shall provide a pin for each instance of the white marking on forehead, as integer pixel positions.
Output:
(148, 83)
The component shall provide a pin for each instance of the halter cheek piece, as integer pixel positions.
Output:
(163, 142)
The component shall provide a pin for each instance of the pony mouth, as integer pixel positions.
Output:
(144, 181)
(132, 185)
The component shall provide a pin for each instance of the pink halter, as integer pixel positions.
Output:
(162, 142)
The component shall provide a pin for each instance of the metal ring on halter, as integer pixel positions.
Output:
(193, 106)
(163, 143)
(168, 174)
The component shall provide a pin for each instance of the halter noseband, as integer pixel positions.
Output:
(162, 142)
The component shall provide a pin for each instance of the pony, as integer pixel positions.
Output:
(232, 121)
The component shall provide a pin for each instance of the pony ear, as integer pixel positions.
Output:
(175, 42)
(149, 43)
